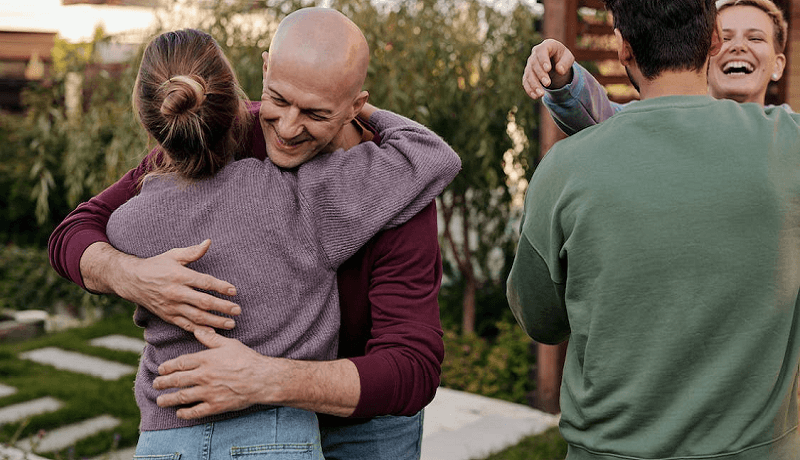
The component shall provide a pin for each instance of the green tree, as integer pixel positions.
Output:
(456, 67)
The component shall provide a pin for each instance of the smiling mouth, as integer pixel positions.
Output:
(289, 143)
(738, 67)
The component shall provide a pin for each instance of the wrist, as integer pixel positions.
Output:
(97, 268)
(558, 81)
(330, 387)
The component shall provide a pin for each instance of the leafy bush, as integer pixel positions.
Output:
(28, 282)
(498, 368)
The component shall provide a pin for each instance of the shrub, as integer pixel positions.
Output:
(27, 281)
(498, 368)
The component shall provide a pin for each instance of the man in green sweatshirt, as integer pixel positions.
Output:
(665, 244)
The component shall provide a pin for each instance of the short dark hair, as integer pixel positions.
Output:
(666, 34)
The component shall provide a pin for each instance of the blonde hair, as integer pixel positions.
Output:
(780, 26)
(188, 99)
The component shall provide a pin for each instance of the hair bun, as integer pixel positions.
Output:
(183, 94)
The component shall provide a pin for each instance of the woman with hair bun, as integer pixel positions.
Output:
(279, 243)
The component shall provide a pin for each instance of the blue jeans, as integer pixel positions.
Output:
(284, 433)
(380, 438)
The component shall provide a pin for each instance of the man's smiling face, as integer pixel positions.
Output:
(747, 61)
(301, 115)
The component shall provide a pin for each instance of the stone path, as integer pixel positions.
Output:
(67, 435)
(21, 411)
(76, 362)
(63, 437)
(119, 342)
(6, 390)
(458, 425)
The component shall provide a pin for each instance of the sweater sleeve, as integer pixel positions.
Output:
(354, 194)
(401, 368)
(581, 103)
(86, 225)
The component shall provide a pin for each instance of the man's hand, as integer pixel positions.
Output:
(162, 284)
(230, 376)
(549, 66)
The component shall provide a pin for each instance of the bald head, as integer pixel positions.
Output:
(324, 42)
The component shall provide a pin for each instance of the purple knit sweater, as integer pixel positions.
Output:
(280, 243)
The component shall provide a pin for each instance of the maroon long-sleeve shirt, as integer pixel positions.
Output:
(390, 327)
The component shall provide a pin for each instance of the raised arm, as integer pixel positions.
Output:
(353, 194)
(574, 98)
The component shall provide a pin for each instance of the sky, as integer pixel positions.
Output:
(72, 22)
(77, 22)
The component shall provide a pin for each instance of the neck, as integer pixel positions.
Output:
(674, 83)
(348, 137)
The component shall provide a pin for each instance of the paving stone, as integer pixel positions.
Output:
(119, 342)
(63, 437)
(6, 390)
(77, 362)
(463, 426)
(122, 454)
(12, 453)
(21, 411)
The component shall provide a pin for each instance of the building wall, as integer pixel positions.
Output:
(791, 76)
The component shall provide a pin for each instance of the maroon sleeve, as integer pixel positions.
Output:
(87, 224)
(400, 371)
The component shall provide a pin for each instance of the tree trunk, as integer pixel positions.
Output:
(468, 305)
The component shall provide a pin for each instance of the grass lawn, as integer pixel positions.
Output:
(546, 446)
(83, 396)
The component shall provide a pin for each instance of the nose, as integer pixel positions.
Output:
(738, 43)
(288, 125)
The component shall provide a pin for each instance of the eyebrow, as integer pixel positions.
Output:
(750, 30)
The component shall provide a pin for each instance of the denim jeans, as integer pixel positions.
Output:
(380, 438)
(284, 433)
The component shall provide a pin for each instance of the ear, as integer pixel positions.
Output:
(624, 50)
(359, 101)
(265, 57)
(716, 40)
(780, 65)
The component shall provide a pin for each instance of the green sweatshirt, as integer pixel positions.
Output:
(665, 244)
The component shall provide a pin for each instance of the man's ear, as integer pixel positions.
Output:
(359, 101)
(716, 40)
(624, 50)
(264, 66)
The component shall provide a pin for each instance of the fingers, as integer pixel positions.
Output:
(181, 397)
(209, 283)
(191, 253)
(548, 66)
(209, 338)
(182, 365)
(201, 410)
(191, 318)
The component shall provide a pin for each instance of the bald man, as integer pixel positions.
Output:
(390, 346)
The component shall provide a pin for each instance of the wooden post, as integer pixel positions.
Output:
(560, 23)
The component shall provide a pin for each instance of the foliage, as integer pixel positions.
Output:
(28, 282)
(545, 446)
(498, 368)
(456, 68)
(59, 154)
